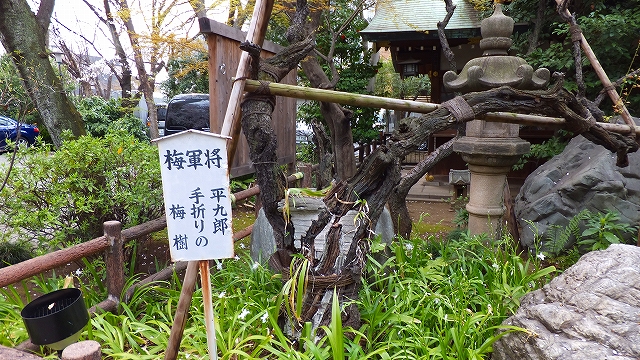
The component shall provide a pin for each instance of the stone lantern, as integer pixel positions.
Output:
(491, 149)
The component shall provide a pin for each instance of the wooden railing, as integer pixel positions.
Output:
(365, 150)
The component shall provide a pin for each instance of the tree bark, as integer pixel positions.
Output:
(24, 40)
(257, 109)
(146, 85)
(338, 119)
(443, 38)
(124, 78)
(324, 175)
(535, 35)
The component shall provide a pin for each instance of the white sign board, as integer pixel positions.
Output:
(195, 182)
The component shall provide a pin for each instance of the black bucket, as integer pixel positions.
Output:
(56, 319)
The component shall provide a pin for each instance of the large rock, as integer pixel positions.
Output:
(584, 176)
(591, 311)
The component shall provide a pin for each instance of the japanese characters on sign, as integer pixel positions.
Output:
(195, 181)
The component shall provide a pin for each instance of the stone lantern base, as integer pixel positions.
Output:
(489, 161)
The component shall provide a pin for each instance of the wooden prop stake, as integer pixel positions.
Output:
(255, 35)
(301, 92)
(177, 329)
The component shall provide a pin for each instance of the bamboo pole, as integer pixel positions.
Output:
(415, 106)
(602, 75)
(308, 93)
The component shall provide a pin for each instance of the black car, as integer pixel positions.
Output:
(9, 131)
(187, 111)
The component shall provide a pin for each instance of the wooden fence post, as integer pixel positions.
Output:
(306, 179)
(114, 259)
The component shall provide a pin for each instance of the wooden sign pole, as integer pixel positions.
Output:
(184, 302)
(205, 280)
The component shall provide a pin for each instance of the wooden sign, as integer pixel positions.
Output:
(195, 182)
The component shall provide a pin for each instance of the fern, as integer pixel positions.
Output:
(558, 236)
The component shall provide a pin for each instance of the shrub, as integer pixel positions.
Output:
(101, 116)
(14, 252)
(66, 196)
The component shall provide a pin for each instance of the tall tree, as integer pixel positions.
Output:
(612, 29)
(23, 34)
(147, 82)
(122, 71)
(340, 62)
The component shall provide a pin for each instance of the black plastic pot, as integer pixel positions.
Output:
(56, 319)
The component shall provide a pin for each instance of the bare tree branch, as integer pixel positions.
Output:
(45, 9)
(575, 31)
(603, 93)
(443, 37)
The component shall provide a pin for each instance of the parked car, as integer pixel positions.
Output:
(187, 111)
(162, 116)
(9, 130)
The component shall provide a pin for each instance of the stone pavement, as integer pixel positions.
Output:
(439, 188)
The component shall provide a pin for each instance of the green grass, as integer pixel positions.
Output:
(423, 230)
(431, 300)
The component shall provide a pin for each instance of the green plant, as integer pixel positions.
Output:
(306, 153)
(101, 116)
(242, 183)
(431, 300)
(461, 220)
(603, 230)
(458, 204)
(12, 252)
(544, 151)
(445, 299)
(557, 238)
(65, 196)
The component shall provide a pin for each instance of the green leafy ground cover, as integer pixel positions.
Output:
(430, 300)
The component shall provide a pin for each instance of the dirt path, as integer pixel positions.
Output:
(431, 212)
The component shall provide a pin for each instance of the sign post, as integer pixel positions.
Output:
(195, 183)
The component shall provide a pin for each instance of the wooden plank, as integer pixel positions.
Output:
(224, 56)
(209, 26)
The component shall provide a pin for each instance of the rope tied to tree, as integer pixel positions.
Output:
(460, 109)
(262, 93)
(576, 33)
(263, 89)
